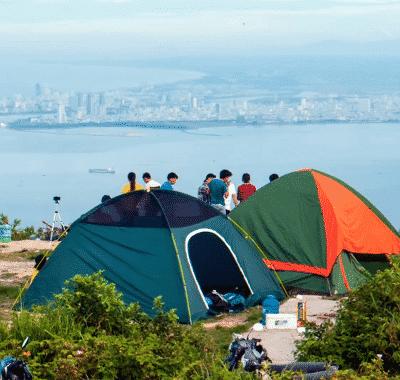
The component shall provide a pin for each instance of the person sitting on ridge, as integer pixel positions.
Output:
(219, 190)
(171, 181)
(132, 185)
(150, 183)
(232, 196)
(105, 198)
(203, 192)
(273, 177)
(246, 189)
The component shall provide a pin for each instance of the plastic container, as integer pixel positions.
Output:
(5, 233)
(270, 305)
(281, 321)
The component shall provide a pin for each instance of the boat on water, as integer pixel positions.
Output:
(102, 171)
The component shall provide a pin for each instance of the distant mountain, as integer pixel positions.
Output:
(386, 47)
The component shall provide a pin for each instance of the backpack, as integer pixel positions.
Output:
(236, 302)
(13, 369)
(249, 352)
(219, 303)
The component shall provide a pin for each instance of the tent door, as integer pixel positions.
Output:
(214, 265)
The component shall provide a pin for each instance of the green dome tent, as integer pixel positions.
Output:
(317, 232)
(159, 243)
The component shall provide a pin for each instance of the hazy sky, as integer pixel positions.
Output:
(169, 27)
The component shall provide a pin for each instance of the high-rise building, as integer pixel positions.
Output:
(102, 104)
(194, 103)
(91, 104)
(102, 99)
(80, 100)
(364, 105)
(38, 90)
(62, 117)
(217, 110)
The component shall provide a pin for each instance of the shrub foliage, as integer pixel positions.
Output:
(18, 233)
(367, 326)
(89, 333)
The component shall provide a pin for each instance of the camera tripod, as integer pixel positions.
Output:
(57, 219)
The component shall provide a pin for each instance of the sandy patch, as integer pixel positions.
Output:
(226, 321)
(26, 245)
(14, 272)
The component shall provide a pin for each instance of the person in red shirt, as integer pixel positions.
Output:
(246, 189)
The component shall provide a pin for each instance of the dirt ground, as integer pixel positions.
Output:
(16, 268)
(26, 245)
(280, 344)
(17, 260)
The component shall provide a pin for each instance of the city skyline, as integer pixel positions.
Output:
(336, 49)
(193, 101)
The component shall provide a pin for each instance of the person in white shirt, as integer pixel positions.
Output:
(150, 184)
(232, 196)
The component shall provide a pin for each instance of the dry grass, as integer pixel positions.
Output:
(15, 269)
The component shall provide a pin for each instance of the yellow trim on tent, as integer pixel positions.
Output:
(36, 272)
(263, 254)
(182, 276)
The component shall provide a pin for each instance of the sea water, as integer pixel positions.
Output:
(39, 164)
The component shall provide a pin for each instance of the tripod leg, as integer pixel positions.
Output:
(60, 221)
(53, 225)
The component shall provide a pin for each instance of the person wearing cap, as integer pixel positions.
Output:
(203, 192)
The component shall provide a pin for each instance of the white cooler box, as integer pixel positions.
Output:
(281, 321)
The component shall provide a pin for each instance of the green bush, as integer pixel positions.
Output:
(367, 325)
(89, 333)
(20, 233)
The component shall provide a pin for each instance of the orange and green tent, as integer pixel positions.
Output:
(317, 232)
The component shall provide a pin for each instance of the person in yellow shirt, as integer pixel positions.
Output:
(132, 185)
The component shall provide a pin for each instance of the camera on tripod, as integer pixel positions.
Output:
(57, 199)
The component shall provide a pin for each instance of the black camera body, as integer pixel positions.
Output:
(57, 199)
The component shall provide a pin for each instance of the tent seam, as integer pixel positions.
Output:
(319, 189)
(177, 258)
(263, 254)
(344, 276)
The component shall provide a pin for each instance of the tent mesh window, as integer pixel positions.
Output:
(182, 210)
(135, 209)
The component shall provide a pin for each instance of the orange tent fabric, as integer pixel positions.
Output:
(350, 225)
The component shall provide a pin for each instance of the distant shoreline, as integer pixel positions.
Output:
(183, 125)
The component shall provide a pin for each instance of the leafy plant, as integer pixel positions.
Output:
(89, 333)
(368, 325)
(18, 233)
(4, 219)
